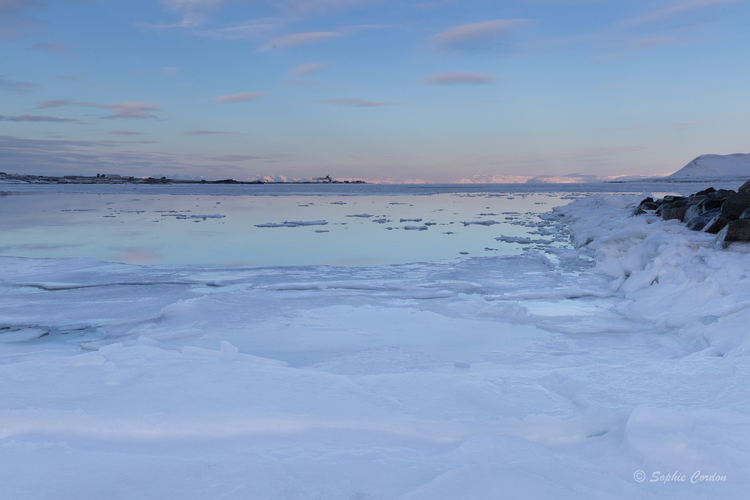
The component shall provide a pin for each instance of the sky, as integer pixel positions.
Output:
(388, 91)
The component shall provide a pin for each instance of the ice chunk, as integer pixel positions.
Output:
(415, 228)
(480, 222)
(296, 223)
(411, 220)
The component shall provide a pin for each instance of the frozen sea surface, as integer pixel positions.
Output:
(595, 370)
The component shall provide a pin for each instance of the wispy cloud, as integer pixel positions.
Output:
(38, 118)
(15, 86)
(242, 97)
(307, 69)
(298, 39)
(471, 35)
(461, 78)
(132, 109)
(257, 29)
(193, 11)
(13, 17)
(358, 103)
(201, 132)
(53, 104)
(56, 48)
(125, 132)
(674, 10)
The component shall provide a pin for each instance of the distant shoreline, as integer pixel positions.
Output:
(117, 179)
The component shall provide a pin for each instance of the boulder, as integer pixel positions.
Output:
(712, 203)
(673, 213)
(695, 200)
(735, 205)
(716, 224)
(691, 212)
(699, 221)
(706, 192)
(670, 199)
(745, 214)
(735, 230)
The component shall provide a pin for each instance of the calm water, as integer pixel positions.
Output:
(363, 225)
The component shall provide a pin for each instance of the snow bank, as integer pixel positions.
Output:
(668, 274)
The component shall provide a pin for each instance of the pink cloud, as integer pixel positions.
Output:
(201, 132)
(242, 97)
(461, 78)
(132, 109)
(38, 118)
(298, 39)
(359, 103)
(53, 104)
(307, 69)
(656, 15)
(476, 32)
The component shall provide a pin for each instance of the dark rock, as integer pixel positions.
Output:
(745, 214)
(725, 193)
(706, 192)
(691, 212)
(735, 230)
(735, 205)
(744, 187)
(695, 200)
(662, 207)
(712, 203)
(679, 203)
(646, 200)
(673, 213)
(670, 199)
(698, 222)
(715, 225)
(648, 206)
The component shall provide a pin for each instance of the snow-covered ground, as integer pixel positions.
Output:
(580, 373)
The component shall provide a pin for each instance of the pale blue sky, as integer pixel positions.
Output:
(376, 89)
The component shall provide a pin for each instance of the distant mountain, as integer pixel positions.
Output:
(713, 168)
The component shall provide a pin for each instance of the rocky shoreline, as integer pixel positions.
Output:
(723, 212)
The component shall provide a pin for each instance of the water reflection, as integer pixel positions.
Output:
(272, 230)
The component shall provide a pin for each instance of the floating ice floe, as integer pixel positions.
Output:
(520, 240)
(365, 216)
(415, 228)
(338, 203)
(297, 223)
(183, 216)
(411, 220)
(480, 222)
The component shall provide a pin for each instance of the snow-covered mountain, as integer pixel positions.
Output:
(714, 168)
